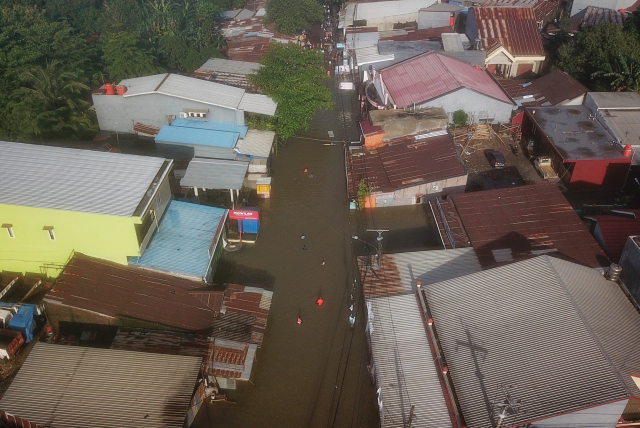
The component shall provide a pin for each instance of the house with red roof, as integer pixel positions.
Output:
(436, 80)
(511, 38)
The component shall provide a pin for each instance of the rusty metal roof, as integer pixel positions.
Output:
(118, 290)
(506, 225)
(405, 162)
(414, 35)
(612, 231)
(431, 75)
(141, 128)
(161, 342)
(541, 8)
(514, 28)
(599, 15)
(551, 89)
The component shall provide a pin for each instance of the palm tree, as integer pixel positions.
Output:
(624, 74)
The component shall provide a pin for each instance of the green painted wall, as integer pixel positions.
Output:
(32, 251)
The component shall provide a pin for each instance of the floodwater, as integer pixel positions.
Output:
(313, 374)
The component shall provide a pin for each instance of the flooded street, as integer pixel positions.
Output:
(313, 374)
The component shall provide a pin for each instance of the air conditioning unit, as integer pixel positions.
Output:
(184, 114)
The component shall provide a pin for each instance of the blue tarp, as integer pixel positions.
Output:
(23, 321)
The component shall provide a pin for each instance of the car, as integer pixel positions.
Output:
(496, 159)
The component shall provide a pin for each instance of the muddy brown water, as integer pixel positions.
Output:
(313, 374)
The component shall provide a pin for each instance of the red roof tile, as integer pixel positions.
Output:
(524, 221)
(405, 162)
(615, 230)
(429, 76)
(514, 28)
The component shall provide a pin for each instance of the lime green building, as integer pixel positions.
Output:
(57, 201)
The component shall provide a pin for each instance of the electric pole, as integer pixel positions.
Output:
(379, 243)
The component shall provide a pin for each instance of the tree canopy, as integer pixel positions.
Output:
(294, 78)
(600, 56)
(293, 16)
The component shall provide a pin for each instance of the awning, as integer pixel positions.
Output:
(215, 174)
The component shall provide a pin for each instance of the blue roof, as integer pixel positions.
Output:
(209, 124)
(197, 136)
(182, 244)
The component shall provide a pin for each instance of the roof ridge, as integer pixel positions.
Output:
(585, 321)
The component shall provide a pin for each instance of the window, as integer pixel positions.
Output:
(49, 229)
(9, 228)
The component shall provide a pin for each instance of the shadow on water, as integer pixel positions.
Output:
(229, 271)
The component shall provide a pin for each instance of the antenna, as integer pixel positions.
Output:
(507, 405)
(379, 239)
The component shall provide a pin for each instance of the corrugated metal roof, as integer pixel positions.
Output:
(599, 15)
(405, 162)
(204, 137)
(257, 103)
(141, 128)
(615, 230)
(116, 290)
(212, 125)
(403, 365)
(524, 221)
(411, 35)
(370, 55)
(400, 272)
(188, 88)
(181, 244)
(514, 28)
(162, 342)
(541, 8)
(556, 335)
(77, 180)
(64, 386)
(616, 100)
(384, 9)
(452, 42)
(215, 174)
(229, 66)
(432, 75)
(256, 143)
(551, 89)
(250, 304)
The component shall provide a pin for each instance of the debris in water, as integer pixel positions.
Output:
(304, 247)
(302, 236)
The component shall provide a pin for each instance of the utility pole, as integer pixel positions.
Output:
(379, 243)
(509, 403)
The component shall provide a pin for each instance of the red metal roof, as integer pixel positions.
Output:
(119, 290)
(514, 28)
(549, 90)
(429, 76)
(414, 35)
(615, 230)
(405, 162)
(369, 129)
(524, 221)
(541, 8)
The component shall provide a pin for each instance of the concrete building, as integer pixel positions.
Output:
(384, 15)
(438, 15)
(409, 170)
(619, 114)
(582, 151)
(436, 80)
(57, 201)
(510, 37)
(155, 101)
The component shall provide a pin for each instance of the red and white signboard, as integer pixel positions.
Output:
(243, 215)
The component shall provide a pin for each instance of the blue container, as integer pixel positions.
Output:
(23, 322)
(250, 226)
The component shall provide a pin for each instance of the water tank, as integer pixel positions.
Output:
(628, 151)
(614, 272)
(121, 90)
(108, 87)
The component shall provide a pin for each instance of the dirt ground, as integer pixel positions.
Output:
(482, 176)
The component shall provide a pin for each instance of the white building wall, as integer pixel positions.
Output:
(478, 106)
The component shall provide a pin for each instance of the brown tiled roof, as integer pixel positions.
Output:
(405, 162)
(549, 90)
(514, 28)
(520, 222)
(119, 290)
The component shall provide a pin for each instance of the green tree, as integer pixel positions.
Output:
(294, 78)
(293, 16)
(124, 58)
(460, 118)
(624, 73)
(593, 50)
(52, 104)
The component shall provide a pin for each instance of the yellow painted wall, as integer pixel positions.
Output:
(32, 251)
